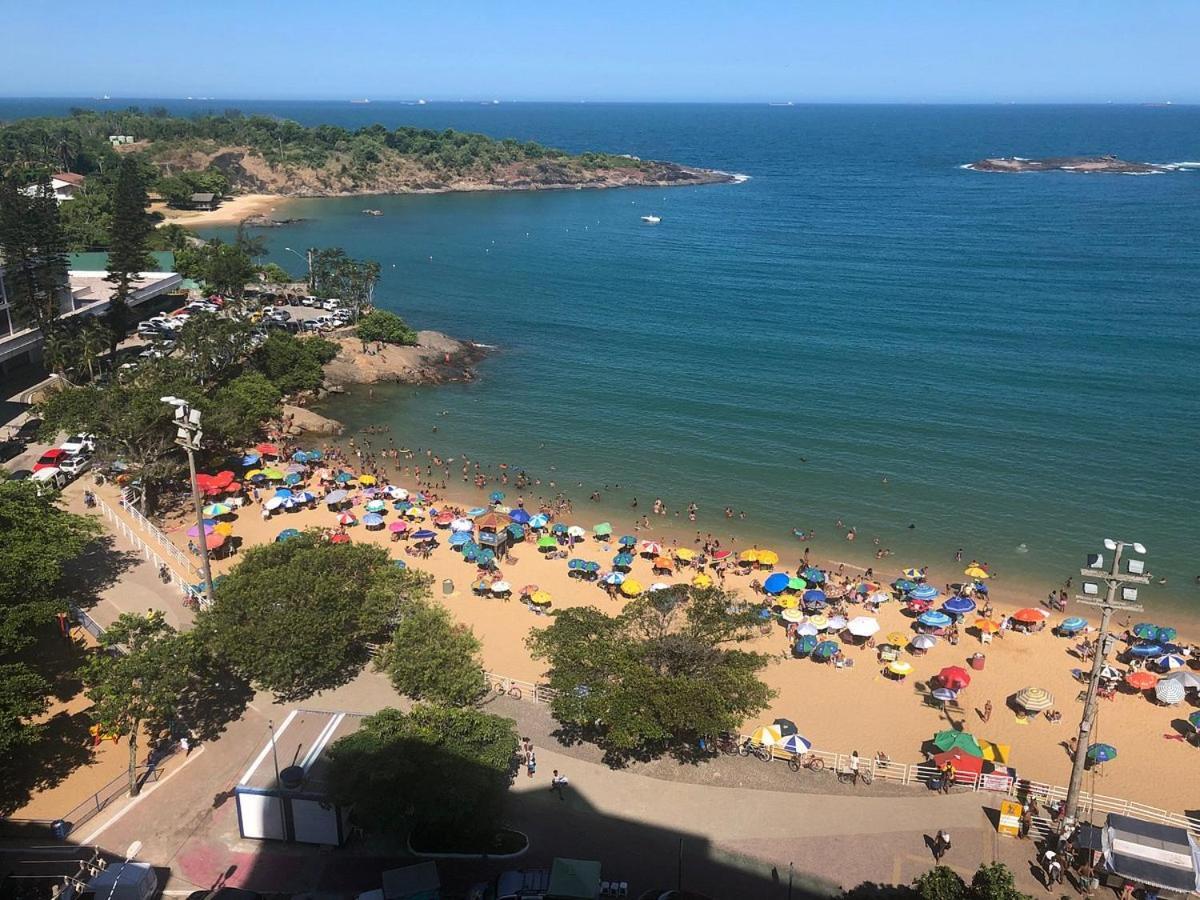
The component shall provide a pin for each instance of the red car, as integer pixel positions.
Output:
(50, 459)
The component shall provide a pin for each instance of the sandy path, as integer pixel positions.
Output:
(230, 212)
(845, 709)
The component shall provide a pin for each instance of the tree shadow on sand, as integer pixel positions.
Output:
(97, 569)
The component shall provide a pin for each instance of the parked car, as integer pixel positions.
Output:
(281, 315)
(76, 465)
(50, 459)
(79, 443)
(150, 329)
(331, 304)
(51, 475)
(309, 301)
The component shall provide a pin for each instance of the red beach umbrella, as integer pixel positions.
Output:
(267, 450)
(954, 677)
(340, 539)
(1142, 681)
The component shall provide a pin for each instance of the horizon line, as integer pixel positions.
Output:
(490, 101)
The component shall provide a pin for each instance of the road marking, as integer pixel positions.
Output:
(267, 749)
(91, 838)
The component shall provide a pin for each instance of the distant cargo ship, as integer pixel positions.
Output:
(363, 100)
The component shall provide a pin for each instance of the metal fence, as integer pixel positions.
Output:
(925, 773)
(86, 810)
(154, 546)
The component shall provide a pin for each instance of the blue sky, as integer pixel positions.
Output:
(845, 50)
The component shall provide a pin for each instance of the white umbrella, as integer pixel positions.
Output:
(1110, 673)
(659, 586)
(576, 531)
(1169, 691)
(397, 493)
(862, 626)
(501, 587)
(836, 623)
(808, 628)
(462, 525)
(793, 615)
(273, 503)
(1183, 677)
(924, 641)
(879, 597)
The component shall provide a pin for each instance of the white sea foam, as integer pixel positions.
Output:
(970, 166)
(738, 178)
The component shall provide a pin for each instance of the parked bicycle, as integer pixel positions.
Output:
(504, 686)
(749, 748)
(845, 776)
(809, 761)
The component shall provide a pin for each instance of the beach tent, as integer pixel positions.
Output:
(1161, 856)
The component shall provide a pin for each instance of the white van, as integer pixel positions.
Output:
(53, 476)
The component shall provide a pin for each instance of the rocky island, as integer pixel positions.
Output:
(1110, 165)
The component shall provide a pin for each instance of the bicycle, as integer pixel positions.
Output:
(748, 747)
(848, 775)
(799, 761)
(504, 686)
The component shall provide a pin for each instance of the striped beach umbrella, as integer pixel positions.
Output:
(924, 641)
(793, 743)
(1072, 624)
(1170, 661)
(1034, 699)
(934, 619)
(1168, 691)
(924, 592)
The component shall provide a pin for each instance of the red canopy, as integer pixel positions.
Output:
(267, 450)
(963, 762)
(340, 539)
(214, 540)
(954, 677)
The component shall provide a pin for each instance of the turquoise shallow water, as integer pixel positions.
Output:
(1016, 354)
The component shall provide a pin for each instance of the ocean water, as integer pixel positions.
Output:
(1016, 355)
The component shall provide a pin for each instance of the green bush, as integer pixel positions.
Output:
(381, 325)
(292, 363)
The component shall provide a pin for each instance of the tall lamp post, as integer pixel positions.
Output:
(188, 434)
(1118, 596)
(307, 259)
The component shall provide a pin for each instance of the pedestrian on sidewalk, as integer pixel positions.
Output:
(531, 763)
(557, 783)
(941, 844)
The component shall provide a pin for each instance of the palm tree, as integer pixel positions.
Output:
(57, 349)
(93, 341)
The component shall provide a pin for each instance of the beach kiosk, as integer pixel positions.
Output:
(493, 532)
(1163, 858)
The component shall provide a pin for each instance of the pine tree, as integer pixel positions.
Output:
(34, 250)
(127, 254)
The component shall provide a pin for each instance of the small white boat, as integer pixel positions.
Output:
(651, 220)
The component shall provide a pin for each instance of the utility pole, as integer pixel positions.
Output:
(1117, 597)
(278, 783)
(188, 434)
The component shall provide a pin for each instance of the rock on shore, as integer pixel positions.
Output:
(301, 420)
(1084, 164)
(436, 359)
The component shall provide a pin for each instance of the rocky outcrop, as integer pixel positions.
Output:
(1084, 164)
(298, 420)
(436, 359)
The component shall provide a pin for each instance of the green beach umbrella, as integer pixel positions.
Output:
(796, 584)
(957, 740)
(602, 529)
(546, 542)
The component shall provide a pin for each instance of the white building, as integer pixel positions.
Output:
(66, 186)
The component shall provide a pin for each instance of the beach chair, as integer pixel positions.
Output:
(889, 654)
(844, 663)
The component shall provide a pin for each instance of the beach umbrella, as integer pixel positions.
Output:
(194, 531)
(285, 493)
(862, 626)
(1143, 650)
(1188, 679)
(1110, 672)
(273, 474)
(785, 726)
(924, 641)
(398, 527)
(443, 519)
(660, 586)
(576, 565)
(954, 677)
(649, 548)
(466, 526)
(987, 626)
(396, 493)
(627, 540)
(701, 580)
(826, 649)
(377, 506)
(520, 516)
(559, 528)
(934, 619)
(225, 528)
(878, 597)
(813, 596)
(613, 578)
(663, 562)
(338, 496)
(913, 574)
(776, 584)
(904, 586)
(796, 584)
(813, 575)
(546, 542)
(749, 556)
(459, 539)
(684, 554)
(265, 449)
(414, 512)
(340, 539)
(213, 541)
(792, 615)
(1141, 681)
(1169, 692)
(897, 639)
(1170, 661)
(425, 535)
(1072, 624)
(957, 740)
(836, 623)
(540, 520)
(806, 643)
(576, 531)
(501, 587)
(1101, 753)
(516, 532)
(977, 572)
(346, 518)
(372, 520)
(900, 667)
(808, 628)
(287, 534)
(591, 567)
(621, 560)
(793, 743)
(1165, 635)
(486, 557)
(540, 598)
(217, 509)
(767, 736)
(1194, 720)
(1147, 631)
(1034, 699)
(497, 496)
(343, 477)
(959, 606)
(820, 621)
(250, 459)
(768, 558)
(604, 529)
(944, 694)
(721, 554)
(292, 478)
(1030, 616)
(631, 587)
(924, 592)
(273, 503)
(366, 479)
(303, 496)
(254, 475)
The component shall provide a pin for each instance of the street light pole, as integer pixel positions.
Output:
(1116, 597)
(307, 259)
(278, 783)
(188, 434)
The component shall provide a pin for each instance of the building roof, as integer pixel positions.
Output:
(69, 178)
(203, 197)
(164, 261)
(1146, 852)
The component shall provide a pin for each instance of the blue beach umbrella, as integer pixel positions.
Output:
(813, 597)
(793, 743)
(497, 496)
(1171, 661)
(805, 644)
(372, 520)
(460, 539)
(903, 585)
(627, 540)
(623, 560)
(777, 583)
(424, 535)
(560, 528)
(813, 575)
(924, 592)
(400, 505)
(959, 606)
(250, 459)
(1147, 631)
(826, 649)
(487, 557)
(934, 619)
(576, 565)
(520, 516)
(1165, 635)
(475, 511)
(287, 534)
(292, 478)
(283, 492)
(1101, 753)
(300, 456)
(343, 477)
(591, 567)
(944, 694)
(614, 578)
(1071, 624)
(541, 520)
(516, 532)
(1146, 650)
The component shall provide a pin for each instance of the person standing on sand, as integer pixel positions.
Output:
(987, 711)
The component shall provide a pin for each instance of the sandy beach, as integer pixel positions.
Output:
(231, 211)
(839, 709)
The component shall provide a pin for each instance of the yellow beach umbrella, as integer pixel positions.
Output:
(540, 598)
(702, 581)
(987, 626)
(788, 603)
(768, 558)
(253, 473)
(976, 572)
(748, 556)
(631, 587)
(224, 528)
(767, 735)
(415, 513)
(685, 554)
(818, 621)
(897, 638)
(366, 479)
(900, 667)
(792, 615)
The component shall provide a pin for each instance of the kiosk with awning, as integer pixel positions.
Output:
(1160, 856)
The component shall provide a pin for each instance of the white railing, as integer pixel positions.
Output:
(155, 546)
(919, 773)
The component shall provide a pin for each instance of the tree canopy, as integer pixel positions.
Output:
(381, 325)
(292, 363)
(662, 672)
(432, 658)
(300, 616)
(446, 770)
